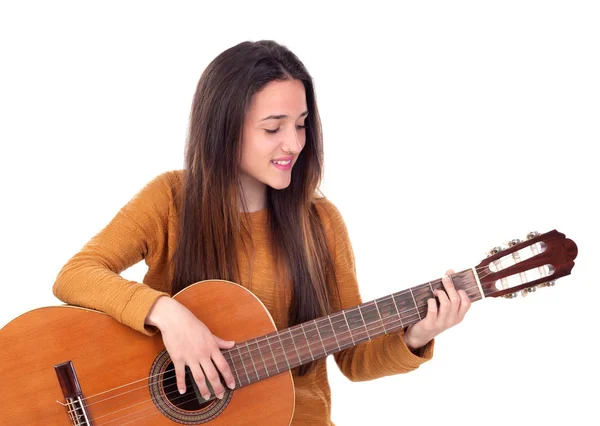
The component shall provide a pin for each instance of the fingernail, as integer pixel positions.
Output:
(231, 385)
(181, 391)
(206, 397)
(220, 396)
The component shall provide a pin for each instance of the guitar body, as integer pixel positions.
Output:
(109, 356)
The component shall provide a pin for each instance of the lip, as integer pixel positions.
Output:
(283, 167)
(290, 157)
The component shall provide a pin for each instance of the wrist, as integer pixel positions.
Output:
(157, 315)
(411, 343)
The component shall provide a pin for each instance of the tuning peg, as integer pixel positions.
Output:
(547, 284)
(532, 235)
(510, 296)
(527, 290)
(494, 251)
(514, 242)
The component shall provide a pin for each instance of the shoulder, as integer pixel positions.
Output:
(157, 196)
(329, 215)
(172, 179)
(167, 184)
(335, 229)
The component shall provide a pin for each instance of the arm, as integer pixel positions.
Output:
(91, 278)
(138, 231)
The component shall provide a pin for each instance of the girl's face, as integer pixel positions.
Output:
(273, 137)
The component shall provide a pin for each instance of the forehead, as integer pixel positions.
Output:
(279, 98)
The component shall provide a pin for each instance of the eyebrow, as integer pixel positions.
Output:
(278, 117)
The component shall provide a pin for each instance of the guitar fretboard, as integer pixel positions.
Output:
(283, 350)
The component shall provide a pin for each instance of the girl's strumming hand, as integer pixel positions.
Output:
(189, 342)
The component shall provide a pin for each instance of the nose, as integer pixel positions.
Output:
(294, 141)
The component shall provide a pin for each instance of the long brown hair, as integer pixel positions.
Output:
(210, 219)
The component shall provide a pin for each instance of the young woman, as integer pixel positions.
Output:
(245, 208)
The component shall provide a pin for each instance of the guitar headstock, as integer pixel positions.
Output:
(522, 266)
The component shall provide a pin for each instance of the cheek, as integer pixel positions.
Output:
(256, 150)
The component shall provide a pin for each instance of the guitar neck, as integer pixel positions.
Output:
(283, 350)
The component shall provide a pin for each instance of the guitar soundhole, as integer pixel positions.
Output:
(186, 408)
(187, 401)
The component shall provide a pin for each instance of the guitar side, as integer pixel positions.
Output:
(108, 355)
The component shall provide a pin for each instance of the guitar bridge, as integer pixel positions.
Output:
(72, 392)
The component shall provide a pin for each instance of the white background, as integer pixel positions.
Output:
(450, 127)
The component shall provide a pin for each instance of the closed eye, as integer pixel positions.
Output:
(277, 129)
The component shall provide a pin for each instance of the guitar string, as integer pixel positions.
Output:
(248, 351)
(193, 398)
(181, 396)
(245, 346)
(135, 412)
(144, 401)
(273, 362)
(308, 345)
(279, 359)
(305, 347)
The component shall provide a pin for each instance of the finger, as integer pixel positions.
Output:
(465, 304)
(224, 344)
(180, 376)
(199, 379)
(432, 311)
(444, 309)
(453, 296)
(450, 289)
(223, 367)
(213, 377)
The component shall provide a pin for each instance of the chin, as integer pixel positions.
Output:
(279, 185)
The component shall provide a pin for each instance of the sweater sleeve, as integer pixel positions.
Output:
(384, 355)
(91, 277)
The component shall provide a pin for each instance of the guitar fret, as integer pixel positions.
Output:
(307, 342)
(252, 360)
(380, 319)
(232, 364)
(334, 333)
(321, 337)
(398, 311)
(413, 297)
(373, 319)
(273, 354)
(283, 351)
(262, 358)
(349, 330)
(294, 343)
(313, 334)
(364, 322)
(243, 364)
(391, 314)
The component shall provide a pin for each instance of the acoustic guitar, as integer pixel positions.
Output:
(66, 365)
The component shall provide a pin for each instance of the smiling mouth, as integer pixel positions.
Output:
(284, 165)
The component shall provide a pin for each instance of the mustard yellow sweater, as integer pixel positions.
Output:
(145, 228)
